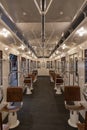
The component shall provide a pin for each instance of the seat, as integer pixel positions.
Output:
(73, 103)
(52, 75)
(29, 84)
(58, 83)
(3, 126)
(83, 126)
(14, 96)
(35, 73)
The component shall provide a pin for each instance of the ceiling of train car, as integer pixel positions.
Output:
(28, 19)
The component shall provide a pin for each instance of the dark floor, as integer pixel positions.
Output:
(43, 110)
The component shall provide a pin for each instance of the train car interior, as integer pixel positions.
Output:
(43, 64)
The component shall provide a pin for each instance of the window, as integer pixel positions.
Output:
(48, 65)
(63, 64)
(38, 64)
(13, 75)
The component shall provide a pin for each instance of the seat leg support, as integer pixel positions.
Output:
(12, 120)
(58, 90)
(74, 118)
(28, 90)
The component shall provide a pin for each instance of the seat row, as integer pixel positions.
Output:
(29, 80)
(72, 100)
(57, 79)
(14, 101)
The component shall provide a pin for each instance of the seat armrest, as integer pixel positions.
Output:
(74, 106)
(11, 108)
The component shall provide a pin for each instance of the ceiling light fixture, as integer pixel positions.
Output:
(64, 46)
(6, 48)
(61, 12)
(22, 47)
(81, 31)
(24, 13)
(29, 52)
(4, 32)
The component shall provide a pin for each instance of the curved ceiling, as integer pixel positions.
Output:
(28, 19)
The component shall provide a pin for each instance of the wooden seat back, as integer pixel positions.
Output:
(72, 93)
(35, 72)
(32, 76)
(14, 94)
(28, 80)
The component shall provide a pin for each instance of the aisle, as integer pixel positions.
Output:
(43, 110)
